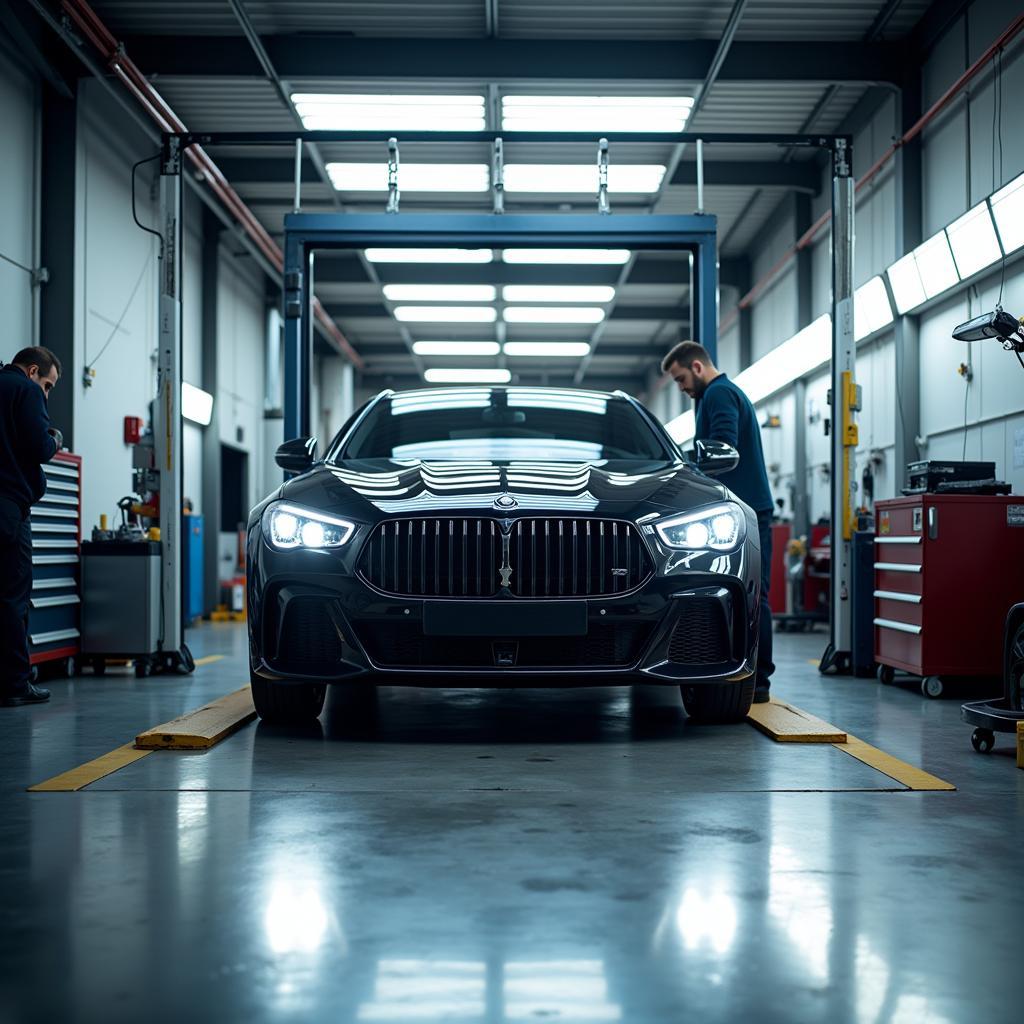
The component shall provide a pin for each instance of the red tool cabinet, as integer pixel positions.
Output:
(947, 570)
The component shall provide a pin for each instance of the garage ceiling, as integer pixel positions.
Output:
(801, 65)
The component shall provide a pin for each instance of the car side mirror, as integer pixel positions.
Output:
(716, 457)
(297, 455)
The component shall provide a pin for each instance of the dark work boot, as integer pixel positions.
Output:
(33, 695)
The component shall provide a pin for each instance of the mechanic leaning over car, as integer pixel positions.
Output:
(26, 441)
(724, 413)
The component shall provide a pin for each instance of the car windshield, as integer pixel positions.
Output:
(503, 424)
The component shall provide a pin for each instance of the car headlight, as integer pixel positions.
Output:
(718, 528)
(289, 526)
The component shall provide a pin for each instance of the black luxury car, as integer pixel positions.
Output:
(502, 536)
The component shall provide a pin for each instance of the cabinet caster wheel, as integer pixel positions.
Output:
(142, 669)
(983, 740)
(70, 668)
(33, 675)
(931, 686)
(886, 675)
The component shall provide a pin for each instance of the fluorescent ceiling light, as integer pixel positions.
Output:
(455, 348)
(430, 255)
(547, 348)
(582, 178)
(557, 293)
(608, 257)
(595, 113)
(196, 404)
(347, 177)
(361, 112)
(871, 308)
(972, 238)
(935, 264)
(790, 361)
(905, 280)
(492, 376)
(440, 292)
(446, 314)
(1008, 210)
(553, 314)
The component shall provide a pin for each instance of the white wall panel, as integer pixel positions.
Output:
(19, 118)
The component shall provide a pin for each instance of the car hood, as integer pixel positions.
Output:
(386, 487)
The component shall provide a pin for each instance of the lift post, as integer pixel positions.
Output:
(174, 654)
(845, 397)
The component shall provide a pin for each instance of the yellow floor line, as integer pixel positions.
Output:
(85, 774)
(786, 723)
(209, 659)
(202, 728)
(906, 774)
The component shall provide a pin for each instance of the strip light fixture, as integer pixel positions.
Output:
(554, 349)
(871, 308)
(446, 314)
(440, 292)
(553, 314)
(595, 113)
(438, 375)
(196, 404)
(973, 240)
(368, 112)
(557, 293)
(1008, 210)
(582, 178)
(352, 177)
(376, 255)
(581, 257)
(455, 348)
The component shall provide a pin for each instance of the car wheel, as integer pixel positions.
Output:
(718, 702)
(287, 702)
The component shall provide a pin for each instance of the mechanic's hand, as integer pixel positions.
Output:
(57, 436)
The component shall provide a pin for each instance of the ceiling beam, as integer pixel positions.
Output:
(497, 59)
(373, 310)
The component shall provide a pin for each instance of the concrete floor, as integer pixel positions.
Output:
(499, 856)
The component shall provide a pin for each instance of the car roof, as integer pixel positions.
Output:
(511, 389)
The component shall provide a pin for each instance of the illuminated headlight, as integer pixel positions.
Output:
(719, 528)
(288, 526)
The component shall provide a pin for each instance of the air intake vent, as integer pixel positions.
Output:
(701, 636)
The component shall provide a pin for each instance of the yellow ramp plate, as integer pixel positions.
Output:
(203, 727)
(85, 774)
(907, 774)
(788, 724)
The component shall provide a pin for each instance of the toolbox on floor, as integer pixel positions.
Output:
(942, 589)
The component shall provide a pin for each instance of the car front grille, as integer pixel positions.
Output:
(404, 645)
(701, 636)
(532, 558)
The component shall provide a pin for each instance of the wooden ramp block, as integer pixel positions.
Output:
(202, 728)
(785, 723)
(85, 774)
(906, 774)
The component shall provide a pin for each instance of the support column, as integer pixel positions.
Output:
(907, 392)
(801, 224)
(167, 428)
(704, 297)
(57, 253)
(211, 434)
(297, 317)
(801, 502)
(745, 318)
(844, 405)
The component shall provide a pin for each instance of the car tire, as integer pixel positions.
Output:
(287, 703)
(718, 702)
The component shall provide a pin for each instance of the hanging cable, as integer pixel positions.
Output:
(135, 216)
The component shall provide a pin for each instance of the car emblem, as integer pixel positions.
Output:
(620, 572)
(506, 575)
(505, 501)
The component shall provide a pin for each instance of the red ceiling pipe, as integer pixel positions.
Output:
(929, 115)
(161, 112)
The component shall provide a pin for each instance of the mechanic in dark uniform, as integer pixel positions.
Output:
(26, 441)
(724, 413)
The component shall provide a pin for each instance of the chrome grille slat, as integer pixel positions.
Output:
(549, 557)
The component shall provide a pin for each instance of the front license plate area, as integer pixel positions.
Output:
(505, 618)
